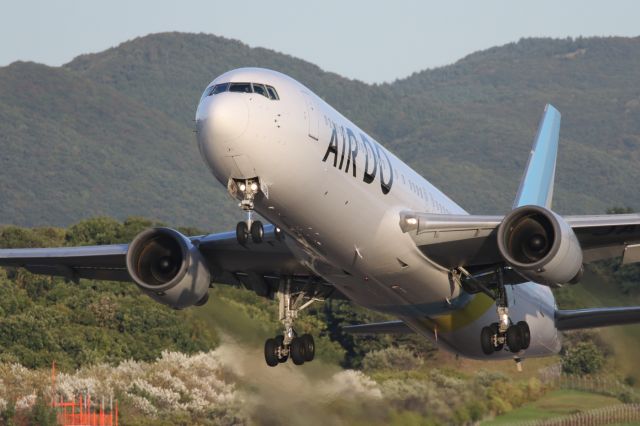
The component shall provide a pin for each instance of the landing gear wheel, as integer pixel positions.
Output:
(302, 348)
(298, 353)
(514, 338)
(242, 233)
(486, 340)
(271, 352)
(309, 347)
(280, 343)
(495, 329)
(525, 334)
(257, 231)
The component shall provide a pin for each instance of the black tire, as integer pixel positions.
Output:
(309, 347)
(514, 338)
(280, 343)
(525, 333)
(257, 231)
(271, 352)
(297, 351)
(495, 329)
(242, 233)
(486, 340)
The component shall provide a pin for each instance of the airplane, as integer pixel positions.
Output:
(349, 220)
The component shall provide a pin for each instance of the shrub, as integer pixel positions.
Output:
(583, 358)
(42, 414)
(391, 358)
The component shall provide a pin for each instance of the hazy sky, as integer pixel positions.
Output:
(373, 41)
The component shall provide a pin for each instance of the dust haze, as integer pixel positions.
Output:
(312, 394)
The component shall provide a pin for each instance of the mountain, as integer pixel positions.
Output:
(110, 133)
(72, 148)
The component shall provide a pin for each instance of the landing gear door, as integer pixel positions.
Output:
(313, 116)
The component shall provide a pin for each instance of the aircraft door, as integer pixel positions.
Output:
(313, 116)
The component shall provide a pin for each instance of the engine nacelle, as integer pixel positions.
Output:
(540, 246)
(166, 266)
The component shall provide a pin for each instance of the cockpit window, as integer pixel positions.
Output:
(241, 87)
(219, 88)
(272, 93)
(260, 89)
(206, 93)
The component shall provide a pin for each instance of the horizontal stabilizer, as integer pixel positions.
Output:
(596, 317)
(387, 327)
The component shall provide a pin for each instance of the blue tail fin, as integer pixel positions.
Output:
(536, 187)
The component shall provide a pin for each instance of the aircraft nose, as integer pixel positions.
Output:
(227, 118)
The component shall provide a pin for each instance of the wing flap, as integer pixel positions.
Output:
(607, 236)
(631, 254)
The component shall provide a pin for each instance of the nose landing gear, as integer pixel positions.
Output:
(247, 189)
(300, 349)
(249, 228)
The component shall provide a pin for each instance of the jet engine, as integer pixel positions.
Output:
(169, 268)
(540, 246)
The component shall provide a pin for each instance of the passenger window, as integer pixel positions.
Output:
(219, 88)
(259, 89)
(272, 93)
(240, 87)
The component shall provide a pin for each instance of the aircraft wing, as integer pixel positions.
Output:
(254, 266)
(105, 262)
(470, 241)
(565, 320)
(596, 317)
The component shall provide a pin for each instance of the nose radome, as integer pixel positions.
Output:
(228, 117)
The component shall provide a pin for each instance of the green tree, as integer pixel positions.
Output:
(583, 358)
(98, 230)
(42, 414)
(7, 415)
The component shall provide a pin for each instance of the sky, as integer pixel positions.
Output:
(373, 41)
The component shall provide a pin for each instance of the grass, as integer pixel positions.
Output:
(554, 404)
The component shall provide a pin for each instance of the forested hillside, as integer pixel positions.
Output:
(111, 133)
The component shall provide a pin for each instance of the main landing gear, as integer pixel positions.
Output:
(300, 349)
(493, 338)
(248, 228)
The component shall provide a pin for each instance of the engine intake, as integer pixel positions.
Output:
(168, 267)
(540, 246)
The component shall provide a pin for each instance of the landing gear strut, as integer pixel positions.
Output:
(494, 337)
(300, 349)
(248, 228)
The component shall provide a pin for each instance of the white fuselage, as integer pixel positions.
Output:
(338, 195)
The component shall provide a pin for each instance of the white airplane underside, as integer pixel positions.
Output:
(350, 220)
